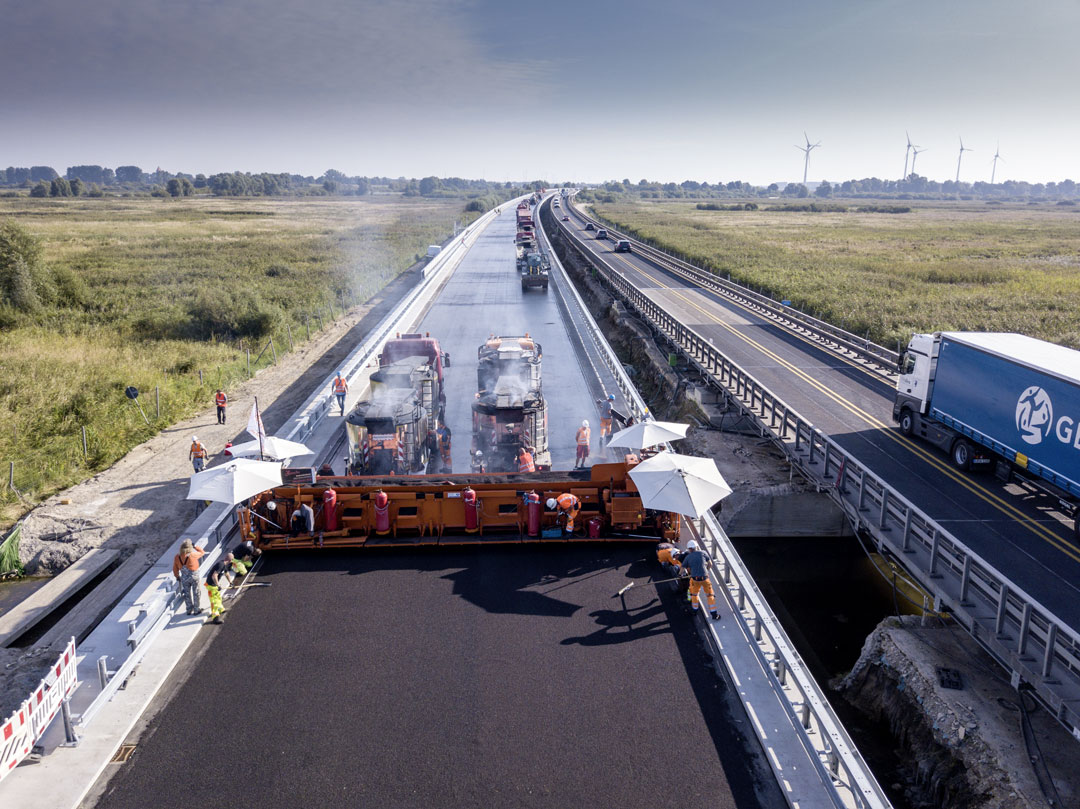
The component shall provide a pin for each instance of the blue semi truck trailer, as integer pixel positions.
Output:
(998, 401)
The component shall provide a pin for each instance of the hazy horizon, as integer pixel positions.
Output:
(587, 92)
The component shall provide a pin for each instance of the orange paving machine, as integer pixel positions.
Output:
(415, 510)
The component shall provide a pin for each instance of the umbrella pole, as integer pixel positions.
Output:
(258, 420)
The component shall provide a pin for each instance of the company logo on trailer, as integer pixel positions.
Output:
(1034, 415)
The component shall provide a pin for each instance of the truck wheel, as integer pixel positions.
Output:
(907, 422)
(961, 455)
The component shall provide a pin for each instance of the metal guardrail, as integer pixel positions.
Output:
(882, 359)
(840, 765)
(1031, 642)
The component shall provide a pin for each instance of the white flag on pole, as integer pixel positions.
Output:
(255, 426)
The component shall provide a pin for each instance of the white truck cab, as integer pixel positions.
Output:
(917, 368)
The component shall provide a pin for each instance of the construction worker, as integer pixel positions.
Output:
(445, 437)
(670, 558)
(478, 464)
(303, 520)
(525, 461)
(566, 504)
(197, 454)
(244, 556)
(340, 388)
(222, 401)
(185, 569)
(582, 438)
(214, 582)
(605, 406)
(697, 564)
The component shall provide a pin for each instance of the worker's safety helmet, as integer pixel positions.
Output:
(691, 545)
(552, 502)
(585, 423)
(194, 439)
(611, 397)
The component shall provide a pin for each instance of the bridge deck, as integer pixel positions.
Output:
(466, 677)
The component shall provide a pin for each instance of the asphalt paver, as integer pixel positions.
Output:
(451, 677)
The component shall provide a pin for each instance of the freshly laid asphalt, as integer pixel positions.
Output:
(464, 677)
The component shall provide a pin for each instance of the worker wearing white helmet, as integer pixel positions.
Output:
(697, 563)
(567, 505)
(583, 439)
(197, 454)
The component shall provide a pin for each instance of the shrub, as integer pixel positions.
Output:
(24, 283)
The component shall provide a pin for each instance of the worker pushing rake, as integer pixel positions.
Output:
(690, 567)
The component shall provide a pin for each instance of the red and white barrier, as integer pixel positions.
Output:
(21, 731)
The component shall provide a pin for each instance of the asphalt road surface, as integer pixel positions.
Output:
(470, 678)
(484, 297)
(1018, 533)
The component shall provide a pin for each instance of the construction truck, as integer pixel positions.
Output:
(534, 268)
(387, 429)
(509, 411)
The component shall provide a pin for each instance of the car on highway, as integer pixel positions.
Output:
(589, 226)
(622, 246)
(566, 219)
(601, 233)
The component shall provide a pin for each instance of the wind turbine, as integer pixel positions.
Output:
(809, 147)
(963, 149)
(997, 157)
(915, 152)
(906, 152)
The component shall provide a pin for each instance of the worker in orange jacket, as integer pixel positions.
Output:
(583, 438)
(525, 461)
(340, 388)
(197, 454)
(222, 401)
(568, 505)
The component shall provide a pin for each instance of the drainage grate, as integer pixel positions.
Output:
(950, 678)
(124, 753)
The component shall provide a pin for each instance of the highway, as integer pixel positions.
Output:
(457, 677)
(1016, 531)
(484, 297)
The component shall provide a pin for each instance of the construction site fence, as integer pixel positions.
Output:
(22, 730)
(1034, 645)
(847, 776)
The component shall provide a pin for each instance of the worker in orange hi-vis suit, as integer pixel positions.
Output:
(197, 454)
(222, 401)
(340, 388)
(525, 461)
(583, 439)
(567, 504)
(697, 564)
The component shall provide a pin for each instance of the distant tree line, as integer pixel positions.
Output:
(914, 187)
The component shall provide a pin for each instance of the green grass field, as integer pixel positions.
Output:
(964, 266)
(157, 290)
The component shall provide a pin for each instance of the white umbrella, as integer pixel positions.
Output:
(679, 483)
(647, 434)
(234, 481)
(272, 447)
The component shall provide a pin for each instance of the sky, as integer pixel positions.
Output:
(582, 91)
